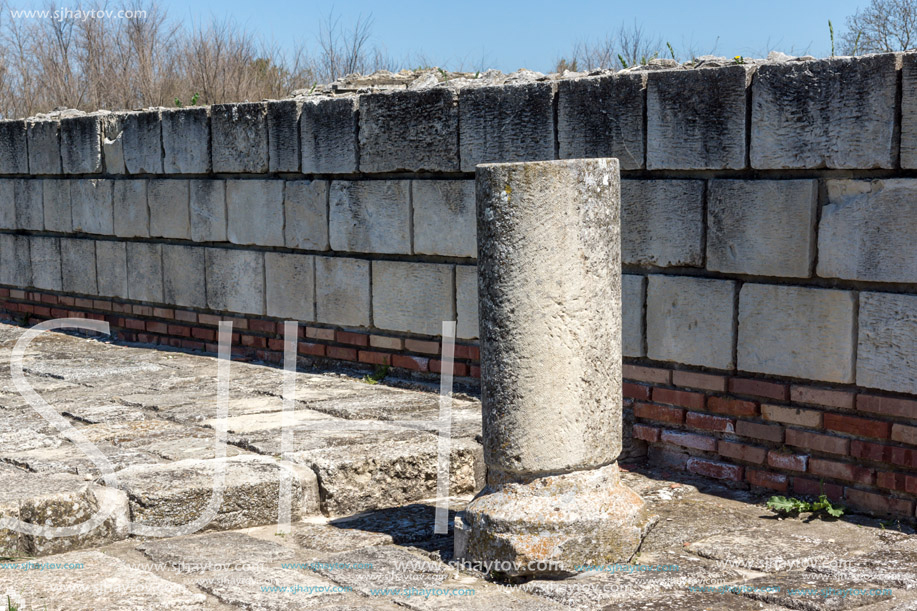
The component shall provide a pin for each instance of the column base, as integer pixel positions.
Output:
(552, 526)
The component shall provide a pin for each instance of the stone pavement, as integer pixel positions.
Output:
(363, 536)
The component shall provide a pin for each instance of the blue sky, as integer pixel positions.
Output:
(534, 33)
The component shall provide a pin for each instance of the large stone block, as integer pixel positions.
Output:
(342, 293)
(186, 141)
(412, 297)
(15, 261)
(762, 227)
(78, 266)
(141, 141)
(909, 111)
(305, 206)
(868, 231)
(466, 301)
(289, 282)
(633, 296)
(240, 142)
(169, 209)
(45, 263)
(444, 218)
(235, 280)
(695, 119)
(183, 273)
(603, 117)
(283, 135)
(409, 130)
(81, 144)
(131, 211)
(111, 268)
(55, 197)
(8, 203)
(370, 216)
(328, 128)
(14, 154)
(208, 210)
(506, 123)
(662, 222)
(91, 204)
(113, 142)
(887, 342)
(254, 212)
(44, 147)
(29, 205)
(691, 320)
(797, 332)
(830, 113)
(144, 271)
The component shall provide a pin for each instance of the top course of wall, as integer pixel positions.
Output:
(839, 113)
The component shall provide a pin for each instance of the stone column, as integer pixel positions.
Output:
(549, 269)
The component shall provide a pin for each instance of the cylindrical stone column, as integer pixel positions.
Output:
(549, 270)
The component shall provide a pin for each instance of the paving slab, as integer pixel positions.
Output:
(807, 592)
(214, 551)
(100, 582)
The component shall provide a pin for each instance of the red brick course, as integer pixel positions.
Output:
(661, 413)
(714, 469)
(691, 400)
(732, 407)
(710, 423)
(767, 479)
(860, 427)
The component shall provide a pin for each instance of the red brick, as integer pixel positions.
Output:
(121, 308)
(254, 341)
(52, 300)
(204, 334)
(154, 326)
(878, 503)
(733, 407)
(809, 418)
(840, 399)
(208, 319)
(424, 347)
(163, 312)
(758, 388)
(318, 333)
(857, 426)
(710, 423)
(375, 358)
(262, 326)
(646, 433)
(189, 344)
(660, 413)
(472, 353)
(904, 434)
(714, 469)
(4, 292)
(17, 294)
(185, 316)
(179, 330)
(98, 304)
(905, 457)
(238, 322)
(837, 470)
(887, 406)
(341, 354)
(388, 343)
(790, 462)
(86, 304)
(683, 398)
(311, 349)
(353, 339)
(741, 451)
(414, 363)
(270, 356)
(58, 313)
(667, 457)
(458, 369)
(42, 311)
(61, 299)
(817, 442)
(768, 432)
(689, 440)
(891, 481)
(474, 371)
(703, 381)
(275, 344)
(144, 338)
(653, 375)
(811, 487)
(767, 479)
(174, 342)
(636, 391)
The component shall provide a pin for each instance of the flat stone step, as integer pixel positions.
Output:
(57, 500)
(175, 494)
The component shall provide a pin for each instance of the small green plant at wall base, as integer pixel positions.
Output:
(793, 506)
(377, 376)
(671, 50)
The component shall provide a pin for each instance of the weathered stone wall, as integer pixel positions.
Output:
(769, 243)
